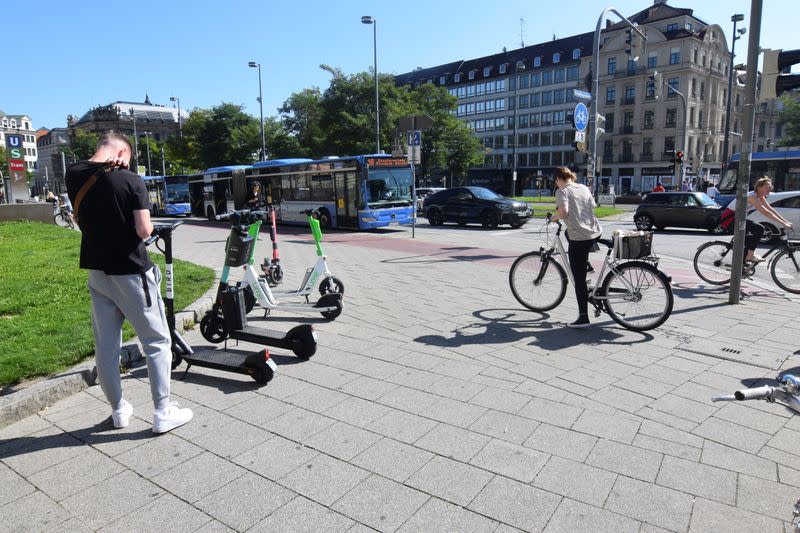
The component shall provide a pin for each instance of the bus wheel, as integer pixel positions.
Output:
(210, 213)
(324, 219)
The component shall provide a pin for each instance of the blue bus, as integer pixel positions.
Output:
(359, 192)
(212, 192)
(169, 196)
(782, 166)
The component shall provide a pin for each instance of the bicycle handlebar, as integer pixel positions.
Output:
(260, 213)
(756, 393)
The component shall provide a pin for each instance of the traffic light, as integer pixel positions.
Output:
(775, 78)
(601, 125)
(678, 157)
(580, 146)
(634, 43)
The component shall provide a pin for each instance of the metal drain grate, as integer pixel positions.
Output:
(731, 350)
(760, 357)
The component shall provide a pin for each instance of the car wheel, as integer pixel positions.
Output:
(643, 222)
(435, 217)
(490, 219)
(770, 232)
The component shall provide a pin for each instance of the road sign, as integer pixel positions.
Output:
(416, 122)
(581, 115)
(581, 95)
(414, 138)
(414, 143)
(580, 136)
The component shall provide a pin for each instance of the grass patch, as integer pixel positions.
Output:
(45, 312)
(541, 210)
(536, 199)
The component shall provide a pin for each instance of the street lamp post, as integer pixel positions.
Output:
(519, 68)
(135, 144)
(180, 122)
(253, 64)
(149, 170)
(725, 145)
(366, 19)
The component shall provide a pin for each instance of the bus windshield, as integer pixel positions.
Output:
(727, 184)
(178, 193)
(388, 187)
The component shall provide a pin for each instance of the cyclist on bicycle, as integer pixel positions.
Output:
(575, 206)
(756, 201)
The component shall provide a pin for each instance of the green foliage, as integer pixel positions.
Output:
(222, 135)
(4, 161)
(44, 303)
(790, 119)
(83, 144)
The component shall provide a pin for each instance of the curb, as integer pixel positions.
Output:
(30, 400)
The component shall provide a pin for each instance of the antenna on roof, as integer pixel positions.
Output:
(521, 32)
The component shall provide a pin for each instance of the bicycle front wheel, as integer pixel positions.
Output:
(60, 220)
(637, 296)
(537, 282)
(712, 262)
(785, 270)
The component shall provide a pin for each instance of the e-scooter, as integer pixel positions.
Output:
(258, 365)
(273, 272)
(239, 252)
(328, 283)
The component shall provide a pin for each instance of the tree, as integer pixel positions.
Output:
(222, 135)
(3, 162)
(790, 120)
(280, 141)
(83, 144)
(302, 113)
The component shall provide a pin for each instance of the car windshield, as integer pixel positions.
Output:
(388, 187)
(484, 194)
(705, 199)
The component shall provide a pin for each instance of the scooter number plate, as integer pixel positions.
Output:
(271, 364)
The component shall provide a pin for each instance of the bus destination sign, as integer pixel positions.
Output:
(387, 162)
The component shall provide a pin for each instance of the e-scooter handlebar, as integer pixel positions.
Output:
(755, 393)
(241, 213)
(160, 230)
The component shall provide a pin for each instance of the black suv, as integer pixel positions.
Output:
(474, 204)
(677, 209)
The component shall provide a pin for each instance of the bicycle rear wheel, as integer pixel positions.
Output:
(785, 270)
(62, 221)
(637, 295)
(537, 282)
(712, 262)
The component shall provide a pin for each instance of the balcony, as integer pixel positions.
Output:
(626, 72)
(646, 156)
(626, 158)
(627, 100)
(625, 130)
(667, 156)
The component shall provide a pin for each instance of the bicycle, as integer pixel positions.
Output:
(62, 217)
(712, 262)
(634, 292)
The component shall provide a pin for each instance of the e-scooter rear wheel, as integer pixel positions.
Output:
(333, 313)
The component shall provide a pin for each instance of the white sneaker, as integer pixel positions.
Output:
(122, 416)
(170, 418)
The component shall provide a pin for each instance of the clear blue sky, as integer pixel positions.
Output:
(81, 54)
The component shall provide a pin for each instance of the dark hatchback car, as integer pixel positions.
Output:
(474, 204)
(679, 210)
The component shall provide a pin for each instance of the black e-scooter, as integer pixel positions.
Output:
(257, 364)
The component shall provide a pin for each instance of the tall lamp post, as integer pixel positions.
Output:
(740, 31)
(519, 68)
(253, 64)
(366, 19)
(180, 122)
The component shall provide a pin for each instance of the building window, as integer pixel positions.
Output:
(491, 87)
(702, 90)
(672, 118)
(675, 84)
(470, 91)
(534, 119)
(523, 101)
(612, 65)
(652, 60)
(489, 106)
(545, 139)
(471, 75)
(609, 121)
(572, 73)
(547, 98)
(480, 107)
(689, 26)
(457, 77)
(558, 96)
(536, 79)
(523, 121)
(556, 58)
(608, 149)
(650, 90)
(630, 94)
(649, 120)
(631, 66)
(537, 61)
(611, 95)
(524, 81)
(503, 68)
(486, 71)
(558, 75)
(536, 99)
(647, 147)
(669, 144)
(442, 80)
(558, 117)
(499, 85)
(500, 104)
(675, 56)
(547, 77)
(672, 27)
(547, 119)
(576, 53)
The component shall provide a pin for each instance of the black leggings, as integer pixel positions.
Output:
(578, 259)
(752, 236)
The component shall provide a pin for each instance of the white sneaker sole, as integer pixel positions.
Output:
(579, 326)
(169, 426)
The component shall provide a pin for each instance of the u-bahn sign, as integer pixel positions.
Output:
(16, 157)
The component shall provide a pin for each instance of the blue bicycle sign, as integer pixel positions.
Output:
(581, 115)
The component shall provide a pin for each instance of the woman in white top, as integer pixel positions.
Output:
(575, 206)
(756, 201)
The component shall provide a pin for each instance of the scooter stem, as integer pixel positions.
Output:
(317, 234)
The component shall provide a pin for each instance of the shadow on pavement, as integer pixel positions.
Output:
(513, 326)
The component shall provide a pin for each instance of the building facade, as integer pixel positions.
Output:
(520, 103)
(52, 159)
(142, 118)
(23, 126)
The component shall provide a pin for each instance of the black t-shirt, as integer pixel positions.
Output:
(109, 242)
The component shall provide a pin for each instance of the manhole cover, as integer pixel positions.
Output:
(762, 357)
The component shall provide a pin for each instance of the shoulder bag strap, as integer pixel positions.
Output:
(81, 193)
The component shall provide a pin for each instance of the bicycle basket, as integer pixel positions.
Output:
(547, 235)
(633, 245)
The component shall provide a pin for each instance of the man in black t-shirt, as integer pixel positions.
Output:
(111, 205)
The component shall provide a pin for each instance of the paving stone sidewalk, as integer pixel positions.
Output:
(435, 403)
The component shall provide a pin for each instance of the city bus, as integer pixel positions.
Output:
(359, 192)
(169, 196)
(782, 166)
(212, 192)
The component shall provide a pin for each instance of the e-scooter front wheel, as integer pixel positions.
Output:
(212, 327)
(331, 285)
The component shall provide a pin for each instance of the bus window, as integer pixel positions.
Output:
(302, 189)
(322, 188)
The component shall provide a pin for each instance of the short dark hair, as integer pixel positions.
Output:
(111, 136)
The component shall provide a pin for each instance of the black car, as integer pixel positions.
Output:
(677, 209)
(474, 204)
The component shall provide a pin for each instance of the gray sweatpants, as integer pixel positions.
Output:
(115, 298)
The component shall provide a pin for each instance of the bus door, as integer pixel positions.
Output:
(196, 193)
(223, 196)
(348, 199)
